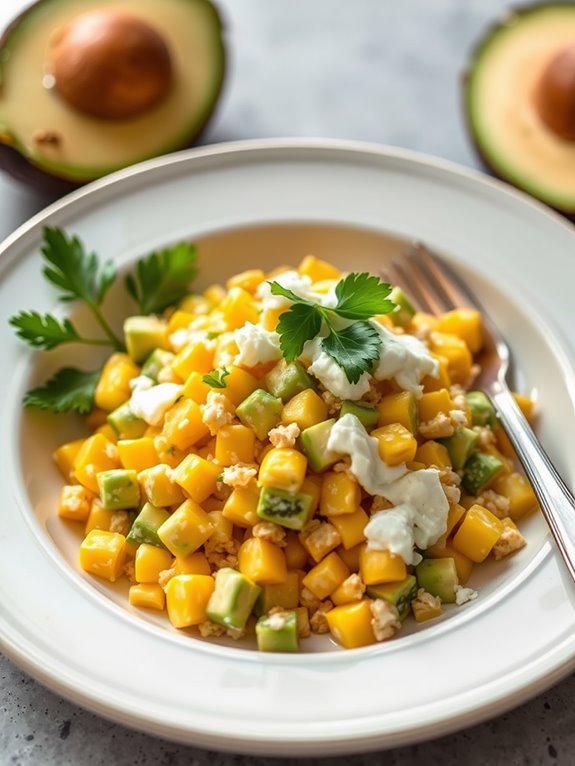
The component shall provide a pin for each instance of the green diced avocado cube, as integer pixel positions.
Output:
(400, 594)
(288, 509)
(261, 412)
(479, 471)
(233, 598)
(367, 416)
(158, 359)
(438, 577)
(143, 334)
(404, 309)
(482, 411)
(285, 380)
(119, 488)
(313, 443)
(146, 525)
(460, 446)
(277, 632)
(125, 423)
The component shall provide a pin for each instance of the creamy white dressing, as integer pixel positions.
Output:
(257, 345)
(331, 375)
(141, 383)
(419, 516)
(349, 437)
(151, 404)
(404, 358)
(291, 280)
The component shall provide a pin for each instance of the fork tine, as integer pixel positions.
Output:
(397, 276)
(447, 280)
(418, 277)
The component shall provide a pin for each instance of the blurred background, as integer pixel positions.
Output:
(369, 70)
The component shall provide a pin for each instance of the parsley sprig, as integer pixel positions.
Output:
(161, 279)
(216, 378)
(355, 347)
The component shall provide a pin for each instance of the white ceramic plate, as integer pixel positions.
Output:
(261, 204)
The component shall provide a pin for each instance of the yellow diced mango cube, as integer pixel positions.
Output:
(350, 624)
(103, 554)
(459, 359)
(466, 325)
(455, 514)
(96, 454)
(241, 506)
(351, 527)
(186, 529)
(423, 611)
(184, 425)
(106, 520)
(296, 555)
(285, 594)
(113, 388)
(283, 468)
(235, 444)
(478, 533)
(238, 307)
(262, 562)
(350, 556)
(150, 561)
(516, 488)
(445, 550)
(395, 443)
(240, 384)
(432, 453)
(317, 270)
(306, 409)
(340, 494)
(195, 388)
(159, 487)
(75, 502)
(248, 280)
(377, 567)
(187, 597)
(326, 576)
(432, 383)
(65, 456)
(137, 454)
(195, 563)
(147, 596)
(434, 403)
(398, 408)
(198, 477)
(526, 405)
(195, 357)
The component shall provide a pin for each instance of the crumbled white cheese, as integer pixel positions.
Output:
(463, 595)
(349, 437)
(404, 358)
(385, 621)
(151, 404)
(511, 540)
(216, 412)
(257, 345)
(277, 620)
(291, 280)
(178, 339)
(238, 475)
(284, 436)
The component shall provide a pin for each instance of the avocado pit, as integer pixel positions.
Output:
(110, 64)
(555, 94)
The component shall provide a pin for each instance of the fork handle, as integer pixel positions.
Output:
(555, 499)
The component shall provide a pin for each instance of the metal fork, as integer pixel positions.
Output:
(436, 288)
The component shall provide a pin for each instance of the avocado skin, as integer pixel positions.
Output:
(51, 184)
(518, 11)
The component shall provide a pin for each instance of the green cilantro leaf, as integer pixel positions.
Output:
(43, 330)
(277, 289)
(354, 348)
(361, 296)
(75, 272)
(216, 378)
(300, 323)
(163, 278)
(69, 390)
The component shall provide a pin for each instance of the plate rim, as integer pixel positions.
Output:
(269, 746)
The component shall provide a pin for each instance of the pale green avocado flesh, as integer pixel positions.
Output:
(88, 147)
(500, 106)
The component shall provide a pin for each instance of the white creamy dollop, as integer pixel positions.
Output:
(141, 383)
(151, 404)
(419, 516)
(349, 437)
(392, 530)
(331, 375)
(257, 345)
(405, 358)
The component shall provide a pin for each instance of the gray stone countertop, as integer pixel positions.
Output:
(372, 70)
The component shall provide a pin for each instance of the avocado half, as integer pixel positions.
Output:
(519, 100)
(49, 143)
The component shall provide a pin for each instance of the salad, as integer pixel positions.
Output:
(290, 453)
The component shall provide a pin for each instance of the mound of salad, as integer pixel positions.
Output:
(293, 452)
